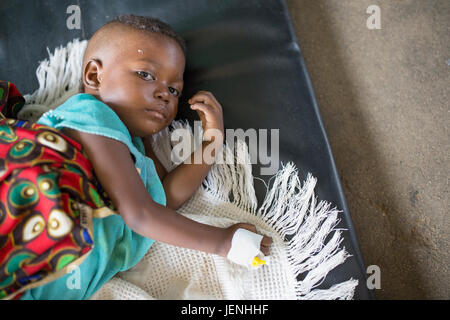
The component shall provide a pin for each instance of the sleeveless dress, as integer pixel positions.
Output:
(116, 247)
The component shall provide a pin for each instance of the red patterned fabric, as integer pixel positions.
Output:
(11, 101)
(45, 181)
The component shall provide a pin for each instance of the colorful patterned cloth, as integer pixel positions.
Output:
(11, 101)
(48, 197)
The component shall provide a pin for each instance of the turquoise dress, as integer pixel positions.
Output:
(116, 247)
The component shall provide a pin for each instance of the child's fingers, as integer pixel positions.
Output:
(206, 109)
(265, 250)
(206, 98)
(266, 241)
(203, 96)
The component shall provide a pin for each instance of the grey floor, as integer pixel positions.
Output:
(384, 98)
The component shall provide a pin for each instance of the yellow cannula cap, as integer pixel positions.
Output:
(257, 261)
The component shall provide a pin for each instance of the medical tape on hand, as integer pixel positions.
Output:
(245, 246)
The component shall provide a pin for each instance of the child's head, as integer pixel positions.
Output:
(135, 65)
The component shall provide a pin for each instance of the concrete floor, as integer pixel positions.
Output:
(384, 98)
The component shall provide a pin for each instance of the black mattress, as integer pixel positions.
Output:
(245, 52)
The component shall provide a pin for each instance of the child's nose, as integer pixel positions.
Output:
(162, 93)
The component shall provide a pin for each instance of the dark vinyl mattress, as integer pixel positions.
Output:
(245, 52)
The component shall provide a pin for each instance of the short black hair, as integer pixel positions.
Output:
(147, 24)
(150, 24)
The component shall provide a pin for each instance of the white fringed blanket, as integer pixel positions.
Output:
(290, 214)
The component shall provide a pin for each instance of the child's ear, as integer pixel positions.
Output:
(92, 74)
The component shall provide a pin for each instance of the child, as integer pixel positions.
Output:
(132, 79)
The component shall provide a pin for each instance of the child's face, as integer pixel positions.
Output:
(144, 75)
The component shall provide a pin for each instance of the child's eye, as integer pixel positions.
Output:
(145, 75)
(174, 91)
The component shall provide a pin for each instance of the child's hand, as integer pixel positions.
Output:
(210, 113)
(266, 242)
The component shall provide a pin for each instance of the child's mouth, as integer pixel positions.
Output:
(155, 114)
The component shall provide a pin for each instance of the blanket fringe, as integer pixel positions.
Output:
(232, 178)
(289, 208)
(59, 79)
(340, 291)
(292, 210)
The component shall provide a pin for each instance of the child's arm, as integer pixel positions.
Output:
(117, 174)
(181, 183)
